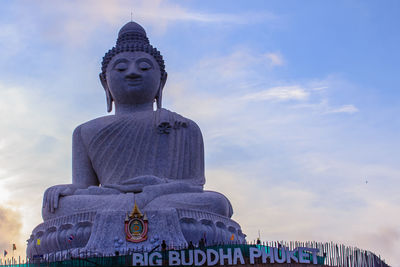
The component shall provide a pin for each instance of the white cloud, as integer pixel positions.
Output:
(284, 210)
(344, 109)
(276, 59)
(320, 88)
(278, 93)
(34, 151)
(274, 152)
(234, 67)
(11, 40)
(288, 168)
(74, 22)
(155, 10)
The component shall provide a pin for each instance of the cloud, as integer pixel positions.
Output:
(75, 22)
(386, 239)
(240, 78)
(279, 93)
(239, 67)
(158, 10)
(34, 154)
(290, 170)
(276, 59)
(320, 88)
(293, 210)
(263, 204)
(344, 109)
(11, 40)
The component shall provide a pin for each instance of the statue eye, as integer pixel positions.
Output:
(144, 66)
(121, 66)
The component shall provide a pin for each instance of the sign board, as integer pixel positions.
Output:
(227, 256)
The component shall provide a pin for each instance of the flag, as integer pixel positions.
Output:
(5, 253)
(232, 237)
(38, 241)
(14, 247)
(70, 238)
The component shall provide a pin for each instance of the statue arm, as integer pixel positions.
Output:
(192, 167)
(197, 149)
(190, 157)
(83, 174)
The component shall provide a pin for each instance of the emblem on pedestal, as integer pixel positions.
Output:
(136, 226)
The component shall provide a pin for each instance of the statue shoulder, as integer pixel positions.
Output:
(176, 120)
(87, 130)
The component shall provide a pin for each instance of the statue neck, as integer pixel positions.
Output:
(125, 109)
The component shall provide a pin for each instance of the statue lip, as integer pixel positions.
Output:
(134, 81)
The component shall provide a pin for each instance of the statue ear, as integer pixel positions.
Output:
(109, 98)
(160, 89)
(163, 80)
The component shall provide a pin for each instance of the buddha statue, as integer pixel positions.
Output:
(144, 156)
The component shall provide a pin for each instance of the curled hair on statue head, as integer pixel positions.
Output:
(136, 47)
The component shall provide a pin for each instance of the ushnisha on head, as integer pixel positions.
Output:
(133, 70)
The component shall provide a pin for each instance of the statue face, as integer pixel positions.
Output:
(133, 78)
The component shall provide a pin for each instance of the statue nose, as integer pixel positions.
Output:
(132, 73)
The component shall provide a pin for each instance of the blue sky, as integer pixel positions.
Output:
(298, 102)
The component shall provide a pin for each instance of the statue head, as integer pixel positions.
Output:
(133, 71)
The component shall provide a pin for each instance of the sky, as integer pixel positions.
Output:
(298, 103)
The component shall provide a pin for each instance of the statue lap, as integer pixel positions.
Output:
(92, 200)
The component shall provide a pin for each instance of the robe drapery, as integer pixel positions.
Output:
(159, 143)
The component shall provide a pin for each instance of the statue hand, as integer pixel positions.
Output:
(134, 188)
(136, 184)
(52, 195)
(144, 180)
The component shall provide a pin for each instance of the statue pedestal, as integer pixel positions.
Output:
(102, 232)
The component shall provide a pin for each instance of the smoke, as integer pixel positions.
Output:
(10, 230)
(384, 241)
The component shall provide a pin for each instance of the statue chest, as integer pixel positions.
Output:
(129, 148)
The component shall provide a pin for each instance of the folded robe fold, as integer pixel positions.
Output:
(162, 143)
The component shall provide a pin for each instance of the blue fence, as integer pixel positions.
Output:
(330, 254)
